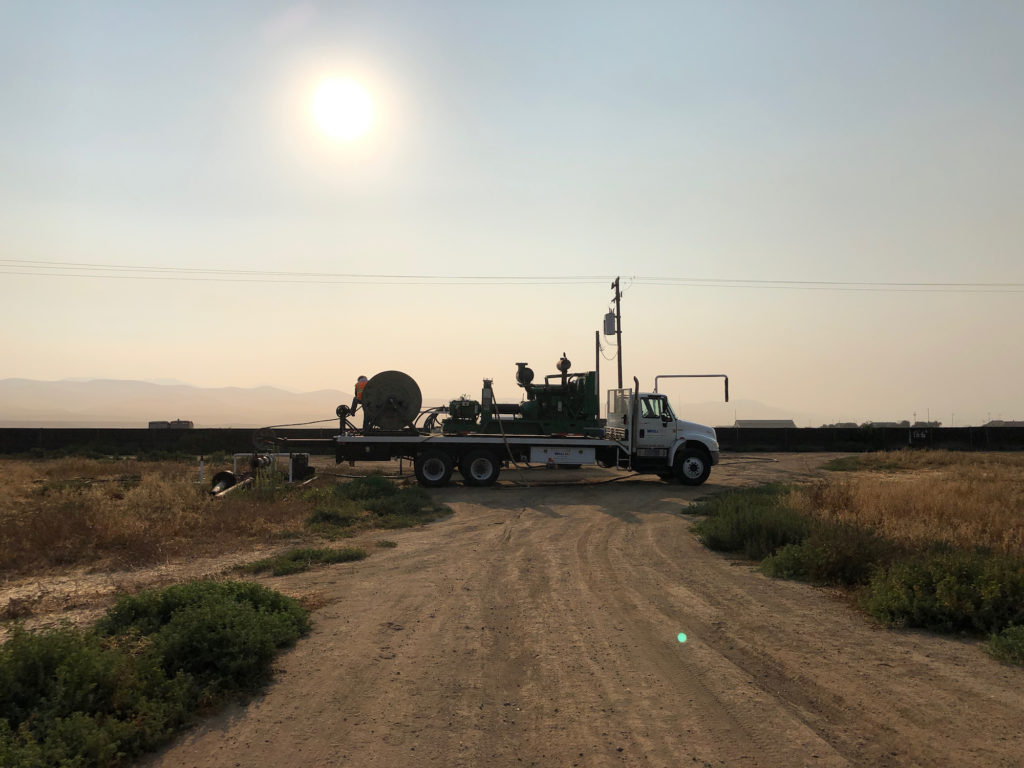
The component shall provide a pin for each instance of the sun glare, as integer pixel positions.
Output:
(342, 109)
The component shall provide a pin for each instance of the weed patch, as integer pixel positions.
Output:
(882, 461)
(336, 514)
(370, 502)
(940, 548)
(833, 553)
(365, 488)
(100, 698)
(1008, 645)
(297, 560)
(949, 591)
(752, 521)
(123, 514)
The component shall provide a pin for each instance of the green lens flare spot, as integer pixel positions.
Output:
(681, 637)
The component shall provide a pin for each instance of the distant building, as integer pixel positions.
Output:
(765, 423)
(1001, 423)
(841, 425)
(889, 424)
(176, 424)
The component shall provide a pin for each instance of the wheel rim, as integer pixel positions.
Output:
(693, 468)
(480, 468)
(433, 469)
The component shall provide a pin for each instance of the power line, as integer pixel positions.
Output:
(839, 283)
(40, 268)
(58, 266)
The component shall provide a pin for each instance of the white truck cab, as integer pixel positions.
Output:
(658, 441)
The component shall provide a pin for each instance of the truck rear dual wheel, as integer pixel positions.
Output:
(691, 466)
(479, 467)
(433, 468)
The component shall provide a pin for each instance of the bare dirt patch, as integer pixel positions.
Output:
(538, 626)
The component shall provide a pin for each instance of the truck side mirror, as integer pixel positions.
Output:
(665, 418)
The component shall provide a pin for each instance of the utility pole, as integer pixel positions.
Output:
(618, 326)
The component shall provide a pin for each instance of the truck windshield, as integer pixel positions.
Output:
(653, 406)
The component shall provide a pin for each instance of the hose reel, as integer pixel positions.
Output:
(391, 401)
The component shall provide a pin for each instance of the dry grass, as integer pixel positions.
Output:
(125, 513)
(964, 499)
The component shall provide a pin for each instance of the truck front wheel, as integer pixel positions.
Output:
(480, 468)
(692, 466)
(433, 468)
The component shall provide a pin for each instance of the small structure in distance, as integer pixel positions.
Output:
(176, 424)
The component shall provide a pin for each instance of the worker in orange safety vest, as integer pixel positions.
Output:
(358, 399)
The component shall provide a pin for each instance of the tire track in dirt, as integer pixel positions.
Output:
(836, 687)
(716, 702)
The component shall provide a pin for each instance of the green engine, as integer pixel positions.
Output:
(566, 403)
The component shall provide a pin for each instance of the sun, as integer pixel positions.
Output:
(342, 109)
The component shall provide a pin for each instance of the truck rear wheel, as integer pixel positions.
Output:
(480, 467)
(433, 468)
(692, 466)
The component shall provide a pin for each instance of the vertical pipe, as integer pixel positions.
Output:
(597, 370)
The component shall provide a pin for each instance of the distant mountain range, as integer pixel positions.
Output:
(114, 403)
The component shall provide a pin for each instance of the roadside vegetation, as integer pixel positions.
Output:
(99, 698)
(125, 513)
(922, 539)
(297, 560)
(369, 502)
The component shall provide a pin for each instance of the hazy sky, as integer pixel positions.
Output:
(857, 142)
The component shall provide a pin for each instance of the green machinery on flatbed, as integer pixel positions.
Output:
(557, 423)
(568, 405)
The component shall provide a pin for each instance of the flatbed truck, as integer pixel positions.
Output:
(557, 425)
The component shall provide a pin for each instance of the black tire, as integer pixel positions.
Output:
(433, 468)
(692, 466)
(480, 467)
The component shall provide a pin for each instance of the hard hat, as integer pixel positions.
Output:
(362, 378)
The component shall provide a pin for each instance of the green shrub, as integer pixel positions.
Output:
(1008, 645)
(387, 544)
(949, 591)
(297, 560)
(335, 513)
(833, 553)
(95, 707)
(101, 698)
(751, 521)
(268, 485)
(406, 501)
(48, 677)
(223, 645)
(343, 508)
(363, 488)
(148, 611)
(741, 498)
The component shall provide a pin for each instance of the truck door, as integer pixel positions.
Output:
(656, 427)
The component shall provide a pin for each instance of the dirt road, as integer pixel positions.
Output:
(538, 627)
